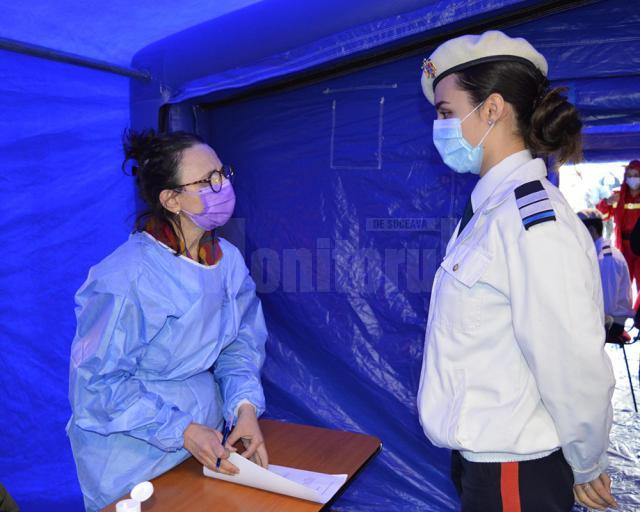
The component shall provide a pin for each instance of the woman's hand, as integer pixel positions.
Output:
(248, 430)
(205, 444)
(595, 494)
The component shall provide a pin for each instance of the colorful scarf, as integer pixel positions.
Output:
(209, 251)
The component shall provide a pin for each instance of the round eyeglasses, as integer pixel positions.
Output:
(215, 179)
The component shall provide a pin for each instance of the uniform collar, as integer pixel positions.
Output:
(497, 175)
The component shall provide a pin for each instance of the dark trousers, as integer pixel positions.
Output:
(541, 485)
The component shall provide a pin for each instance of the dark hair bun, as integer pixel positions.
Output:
(555, 127)
(139, 146)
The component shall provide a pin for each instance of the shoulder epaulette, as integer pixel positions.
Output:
(534, 204)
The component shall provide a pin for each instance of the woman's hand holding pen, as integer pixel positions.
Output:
(248, 430)
(205, 444)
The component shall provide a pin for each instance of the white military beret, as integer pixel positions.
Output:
(466, 51)
(590, 214)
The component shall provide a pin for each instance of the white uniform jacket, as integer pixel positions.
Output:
(616, 283)
(514, 364)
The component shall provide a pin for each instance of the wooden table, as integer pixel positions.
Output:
(186, 489)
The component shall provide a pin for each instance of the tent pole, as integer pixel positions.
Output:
(70, 58)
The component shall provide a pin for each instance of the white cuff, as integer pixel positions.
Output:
(582, 477)
(241, 403)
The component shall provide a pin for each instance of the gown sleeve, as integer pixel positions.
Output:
(238, 366)
(112, 333)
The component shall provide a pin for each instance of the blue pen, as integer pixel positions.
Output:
(225, 434)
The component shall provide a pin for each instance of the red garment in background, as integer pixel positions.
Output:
(625, 214)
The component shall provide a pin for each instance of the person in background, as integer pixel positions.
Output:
(614, 273)
(170, 334)
(623, 207)
(516, 315)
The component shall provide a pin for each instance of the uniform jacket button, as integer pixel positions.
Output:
(456, 267)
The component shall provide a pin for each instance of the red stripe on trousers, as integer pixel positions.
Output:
(510, 487)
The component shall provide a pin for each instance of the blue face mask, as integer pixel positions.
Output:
(454, 149)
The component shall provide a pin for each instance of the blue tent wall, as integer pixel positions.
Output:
(594, 51)
(65, 206)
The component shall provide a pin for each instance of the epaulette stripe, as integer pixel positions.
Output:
(539, 218)
(528, 189)
(539, 215)
(525, 203)
(537, 207)
(532, 198)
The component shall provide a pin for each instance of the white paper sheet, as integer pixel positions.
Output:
(306, 485)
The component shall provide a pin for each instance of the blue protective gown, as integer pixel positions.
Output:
(161, 341)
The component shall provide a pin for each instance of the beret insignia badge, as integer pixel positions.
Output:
(429, 68)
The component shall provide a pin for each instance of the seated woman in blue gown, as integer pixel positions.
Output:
(170, 334)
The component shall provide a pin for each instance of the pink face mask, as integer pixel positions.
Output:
(218, 206)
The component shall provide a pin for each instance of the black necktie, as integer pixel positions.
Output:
(466, 216)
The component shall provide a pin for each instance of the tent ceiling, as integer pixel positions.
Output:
(115, 30)
(109, 30)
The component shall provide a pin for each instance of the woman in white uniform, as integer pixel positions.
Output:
(515, 379)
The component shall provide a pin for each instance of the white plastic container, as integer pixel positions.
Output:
(141, 492)
(128, 506)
